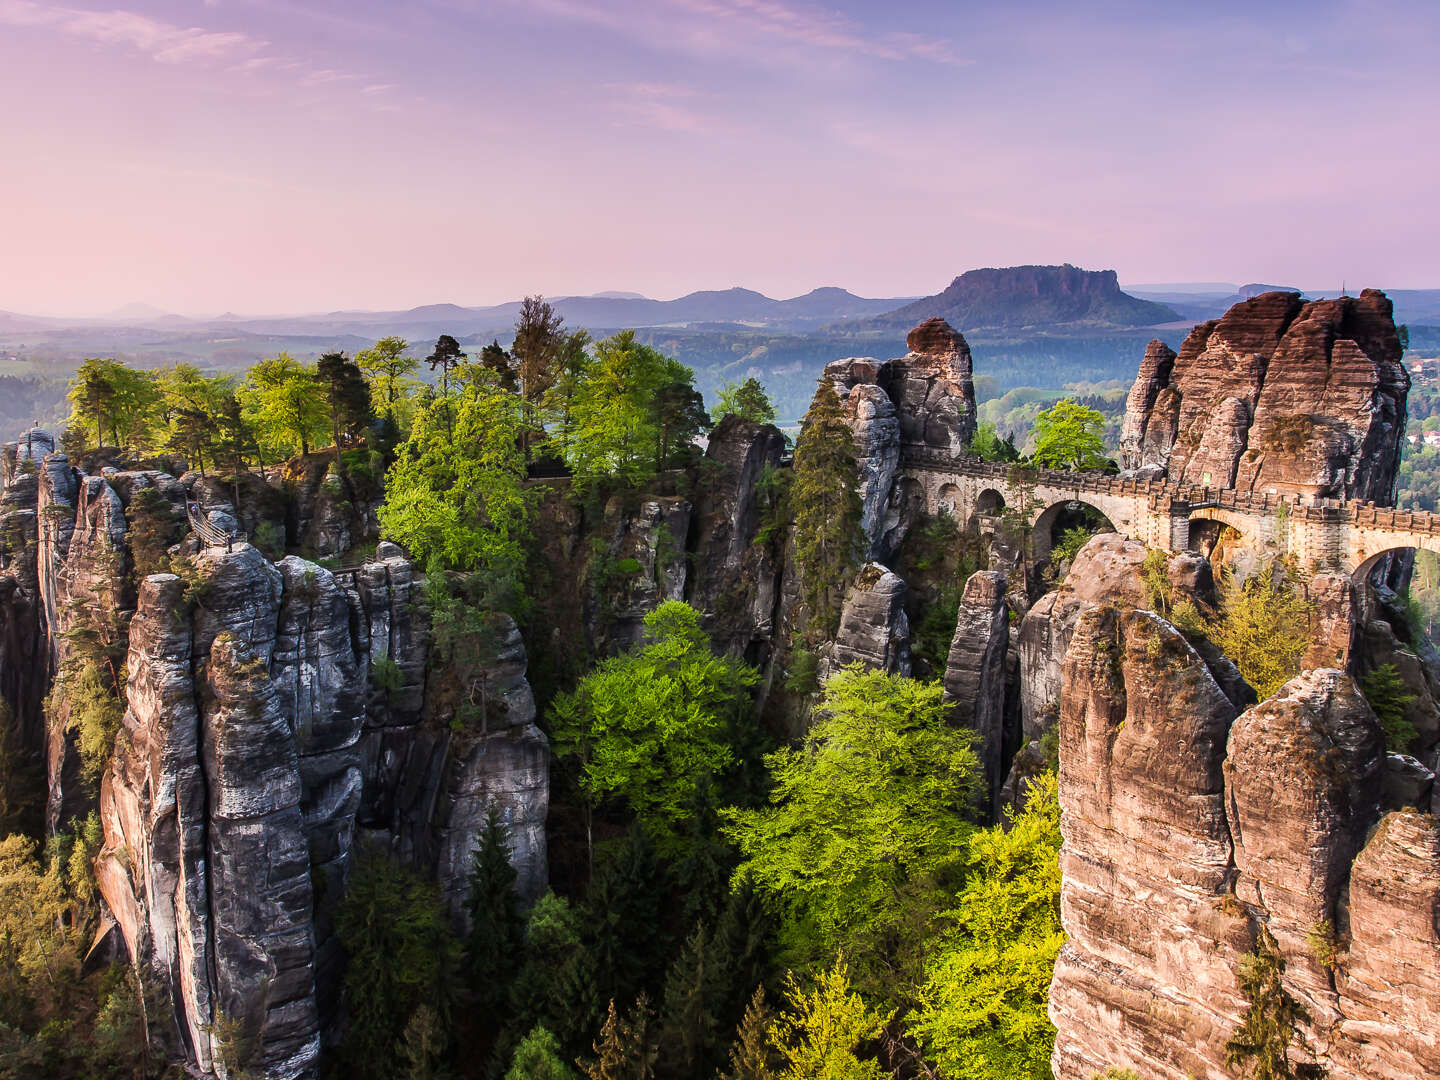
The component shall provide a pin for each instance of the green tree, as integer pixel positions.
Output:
(987, 444)
(864, 814)
(1069, 436)
(824, 1028)
(679, 415)
(501, 364)
(825, 500)
(1271, 1023)
(190, 404)
(1386, 692)
(613, 414)
(747, 400)
(497, 926)
(234, 442)
(538, 1058)
(982, 1010)
(554, 961)
(282, 401)
(446, 358)
(400, 956)
(1263, 626)
(572, 373)
(106, 395)
(460, 498)
(690, 1020)
(390, 373)
(537, 348)
(348, 396)
(652, 726)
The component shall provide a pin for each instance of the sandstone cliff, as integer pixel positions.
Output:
(1279, 394)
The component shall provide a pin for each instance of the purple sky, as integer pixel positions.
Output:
(257, 155)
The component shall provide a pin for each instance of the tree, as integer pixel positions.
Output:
(654, 725)
(554, 959)
(283, 403)
(539, 341)
(1068, 436)
(987, 444)
(497, 926)
(401, 956)
(1390, 700)
(538, 1058)
(864, 814)
(234, 441)
(456, 493)
(1263, 626)
(390, 373)
(92, 396)
(626, 1047)
(501, 364)
(982, 1010)
(747, 400)
(752, 1057)
(690, 1020)
(190, 404)
(613, 416)
(679, 413)
(446, 358)
(572, 372)
(825, 500)
(820, 1034)
(348, 396)
(108, 395)
(1272, 1019)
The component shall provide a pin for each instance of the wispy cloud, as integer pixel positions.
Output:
(163, 41)
(659, 105)
(749, 26)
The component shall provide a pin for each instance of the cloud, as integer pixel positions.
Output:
(164, 42)
(657, 105)
(748, 26)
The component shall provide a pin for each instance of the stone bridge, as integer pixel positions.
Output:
(1321, 534)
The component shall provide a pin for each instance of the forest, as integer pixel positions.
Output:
(740, 904)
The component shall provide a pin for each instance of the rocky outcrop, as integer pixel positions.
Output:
(644, 565)
(872, 418)
(735, 579)
(1184, 832)
(975, 672)
(1279, 394)
(925, 398)
(874, 630)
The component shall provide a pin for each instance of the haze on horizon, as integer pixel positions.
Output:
(264, 156)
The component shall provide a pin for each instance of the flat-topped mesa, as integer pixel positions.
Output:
(1279, 394)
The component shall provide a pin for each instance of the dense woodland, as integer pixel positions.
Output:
(746, 906)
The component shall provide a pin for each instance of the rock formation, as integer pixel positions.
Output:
(874, 630)
(1279, 394)
(925, 398)
(1187, 828)
(975, 671)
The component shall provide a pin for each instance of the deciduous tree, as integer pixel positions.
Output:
(1068, 436)
(747, 400)
(390, 372)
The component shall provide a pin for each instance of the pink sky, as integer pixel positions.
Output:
(262, 156)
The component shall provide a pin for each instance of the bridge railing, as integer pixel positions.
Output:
(1365, 515)
(203, 527)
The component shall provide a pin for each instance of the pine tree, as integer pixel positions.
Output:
(826, 503)
(689, 1024)
(348, 396)
(497, 926)
(626, 1049)
(742, 946)
(752, 1055)
(446, 357)
(1271, 1024)
(538, 1057)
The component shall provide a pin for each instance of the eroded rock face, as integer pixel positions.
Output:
(975, 671)
(874, 630)
(1184, 830)
(735, 579)
(645, 566)
(1279, 394)
(1146, 856)
(925, 398)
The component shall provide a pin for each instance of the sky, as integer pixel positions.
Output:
(261, 156)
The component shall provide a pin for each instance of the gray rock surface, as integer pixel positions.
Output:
(975, 672)
(874, 630)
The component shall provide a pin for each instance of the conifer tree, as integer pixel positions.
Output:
(752, 1055)
(348, 396)
(626, 1049)
(826, 503)
(689, 1020)
(742, 945)
(497, 926)
(538, 1057)
(446, 357)
(1271, 1023)
(747, 400)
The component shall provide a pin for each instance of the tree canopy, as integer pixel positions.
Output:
(1068, 435)
(747, 400)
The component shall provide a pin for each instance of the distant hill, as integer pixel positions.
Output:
(1033, 296)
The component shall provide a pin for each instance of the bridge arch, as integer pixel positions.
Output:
(1054, 519)
(989, 501)
(1371, 551)
(950, 499)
